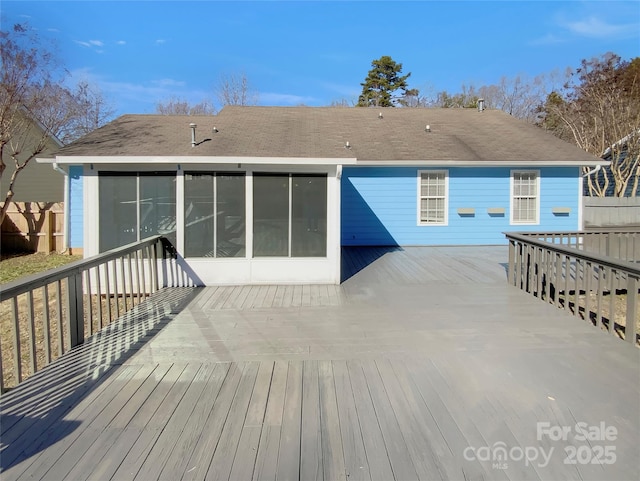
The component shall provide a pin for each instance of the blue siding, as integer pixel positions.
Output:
(76, 223)
(379, 205)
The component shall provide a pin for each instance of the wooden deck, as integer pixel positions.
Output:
(421, 362)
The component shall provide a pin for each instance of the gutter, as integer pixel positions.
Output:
(65, 234)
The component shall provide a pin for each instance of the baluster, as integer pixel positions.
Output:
(143, 256)
(137, 267)
(599, 320)
(124, 283)
(632, 309)
(32, 333)
(108, 291)
(59, 302)
(558, 278)
(131, 287)
(567, 275)
(116, 283)
(45, 324)
(99, 297)
(588, 273)
(87, 276)
(17, 355)
(613, 281)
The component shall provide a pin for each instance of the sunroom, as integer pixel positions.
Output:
(231, 222)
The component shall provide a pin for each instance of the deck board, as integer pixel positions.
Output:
(418, 355)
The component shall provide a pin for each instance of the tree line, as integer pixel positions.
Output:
(596, 106)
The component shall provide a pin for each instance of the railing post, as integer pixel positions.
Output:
(75, 310)
(512, 263)
(632, 309)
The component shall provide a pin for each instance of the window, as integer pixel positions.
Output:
(134, 206)
(525, 197)
(289, 215)
(214, 215)
(433, 197)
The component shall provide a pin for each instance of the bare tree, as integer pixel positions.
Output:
(235, 89)
(599, 111)
(342, 103)
(519, 96)
(176, 106)
(34, 105)
(89, 110)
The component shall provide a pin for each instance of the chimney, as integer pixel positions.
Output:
(193, 134)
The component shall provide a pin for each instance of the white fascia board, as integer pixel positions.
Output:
(45, 160)
(191, 160)
(479, 163)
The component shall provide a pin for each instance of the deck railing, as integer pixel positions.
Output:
(619, 244)
(45, 315)
(573, 272)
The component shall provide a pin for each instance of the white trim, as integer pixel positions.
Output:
(179, 210)
(245, 270)
(91, 212)
(248, 216)
(334, 202)
(580, 203)
(65, 206)
(479, 163)
(446, 197)
(538, 190)
(176, 159)
(192, 159)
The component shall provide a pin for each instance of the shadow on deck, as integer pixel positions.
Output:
(39, 405)
(419, 366)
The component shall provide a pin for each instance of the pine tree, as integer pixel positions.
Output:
(382, 81)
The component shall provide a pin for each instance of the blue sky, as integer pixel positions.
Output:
(313, 53)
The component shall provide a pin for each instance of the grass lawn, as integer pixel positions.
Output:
(18, 265)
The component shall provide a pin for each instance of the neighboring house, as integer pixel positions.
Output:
(271, 194)
(598, 176)
(36, 182)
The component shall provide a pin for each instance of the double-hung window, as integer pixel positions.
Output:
(525, 197)
(433, 187)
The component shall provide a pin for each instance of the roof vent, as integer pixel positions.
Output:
(193, 134)
(427, 128)
(480, 105)
(380, 115)
(347, 145)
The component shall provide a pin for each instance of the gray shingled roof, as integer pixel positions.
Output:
(314, 132)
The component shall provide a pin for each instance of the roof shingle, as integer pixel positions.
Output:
(321, 132)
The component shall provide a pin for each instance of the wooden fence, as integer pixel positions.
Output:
(33, 227)
(558, 268)
(611, 212)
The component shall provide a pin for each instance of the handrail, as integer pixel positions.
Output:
(622, 244)
(44, 315)
(526, 237)
(587, 283)
(34, 281)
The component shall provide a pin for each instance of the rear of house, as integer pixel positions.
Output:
(271, 194)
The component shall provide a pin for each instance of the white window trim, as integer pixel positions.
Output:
(511, 196)
(446, 197)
